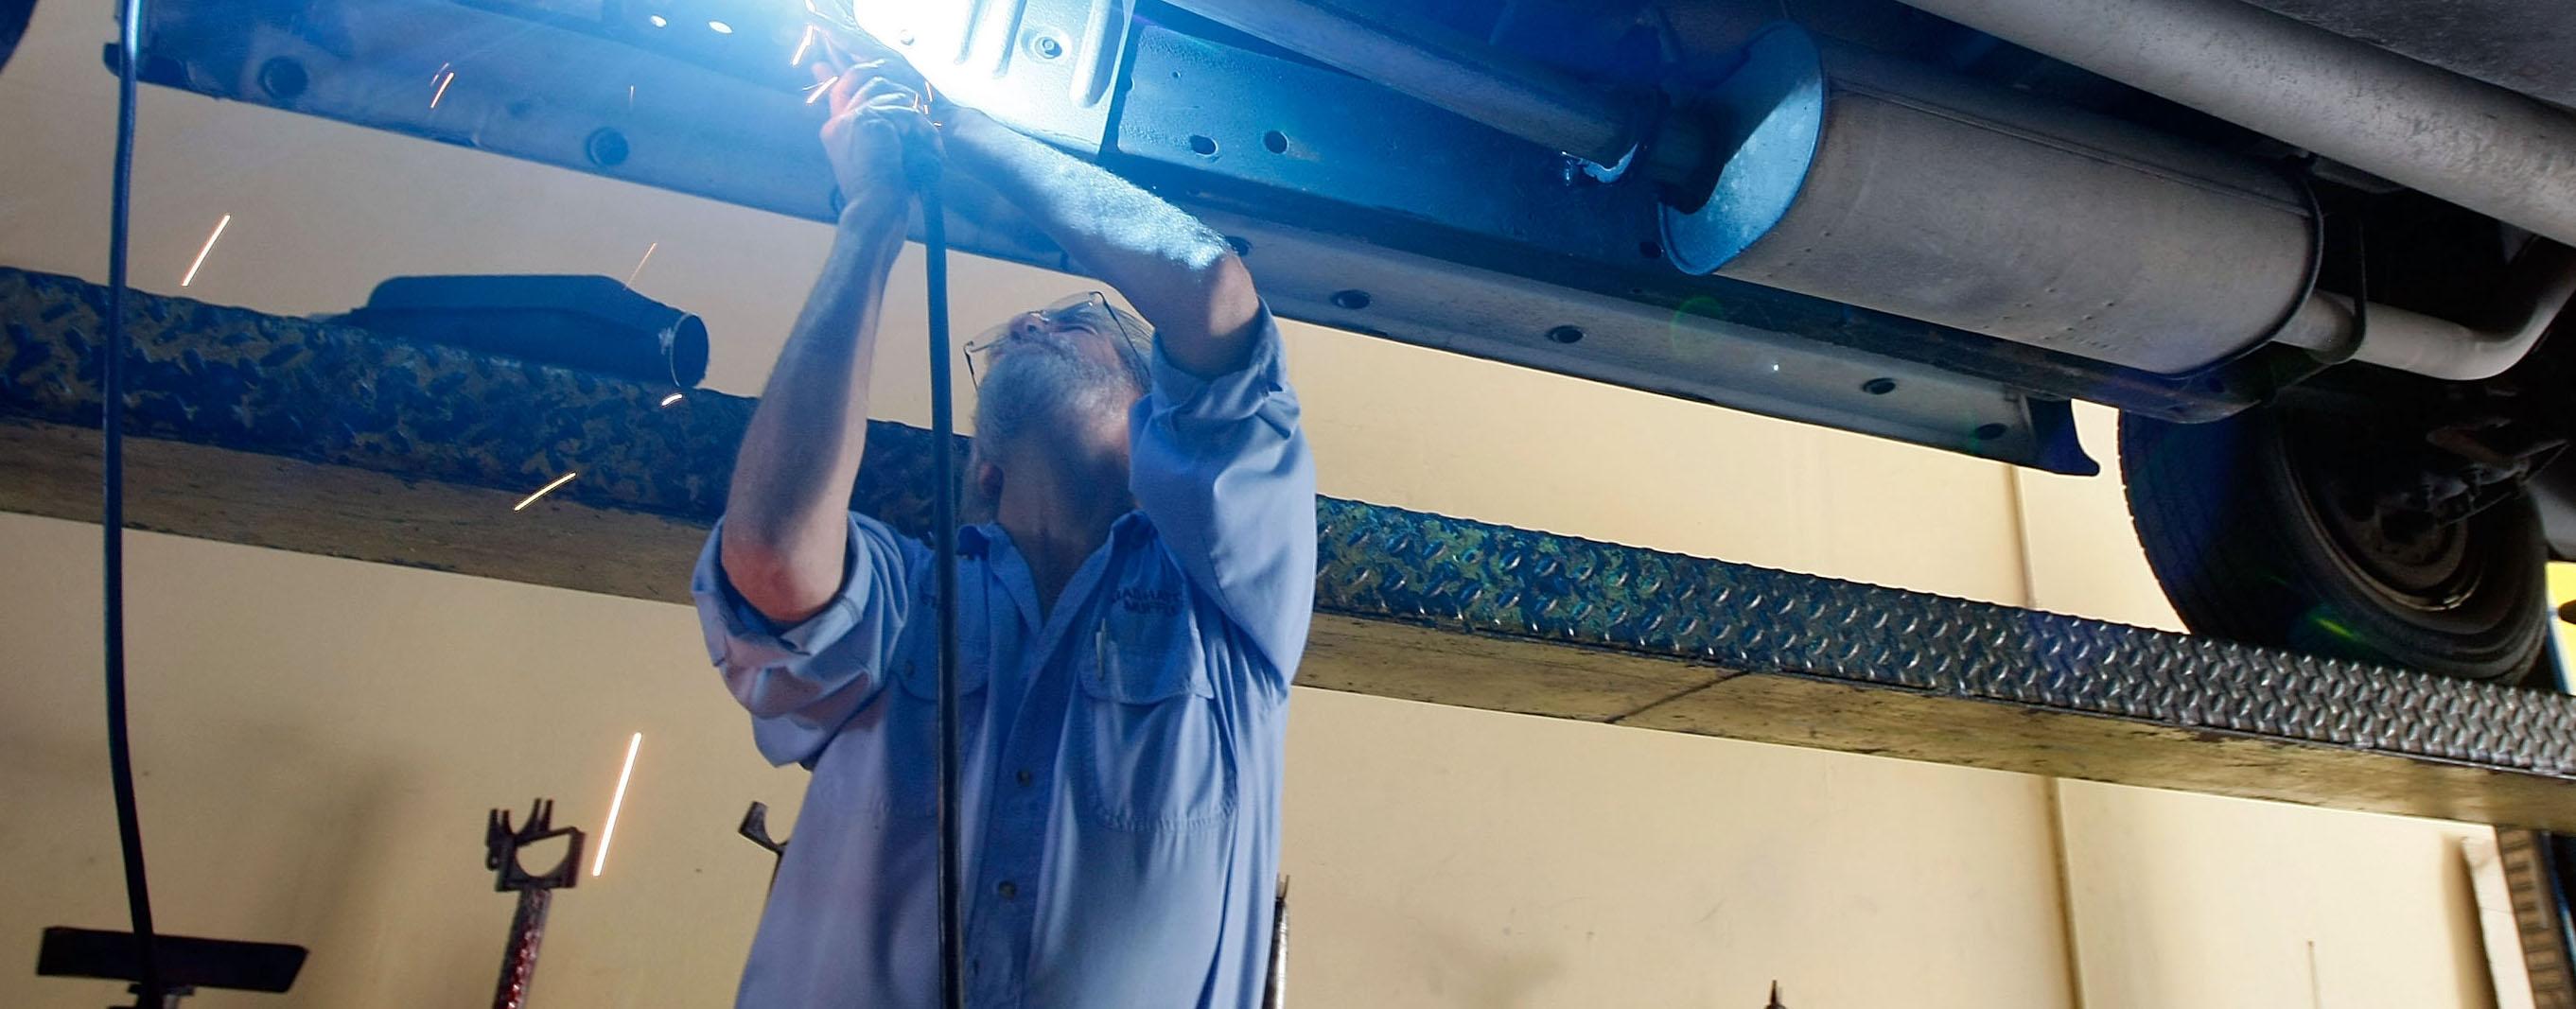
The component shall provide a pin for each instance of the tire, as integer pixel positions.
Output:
(14, 18)
(2241, 524)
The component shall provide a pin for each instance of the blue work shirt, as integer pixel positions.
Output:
(1120, 784)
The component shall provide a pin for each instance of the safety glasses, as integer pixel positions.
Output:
(1086, 313)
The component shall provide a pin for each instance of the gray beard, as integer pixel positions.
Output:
(1040, 390)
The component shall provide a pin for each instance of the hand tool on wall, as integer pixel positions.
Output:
(502, 845)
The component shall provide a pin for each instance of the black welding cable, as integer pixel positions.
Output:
(120, 749)
(924, 168)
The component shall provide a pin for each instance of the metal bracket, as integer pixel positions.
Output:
(755, 828)
(501, 847)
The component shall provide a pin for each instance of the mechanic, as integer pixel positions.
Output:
(1129, 619)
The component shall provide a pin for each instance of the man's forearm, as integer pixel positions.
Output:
(1179, 274)
(786, 525)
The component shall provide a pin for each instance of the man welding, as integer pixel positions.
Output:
(1129, 620)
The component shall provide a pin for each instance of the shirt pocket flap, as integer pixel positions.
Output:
(917, 661)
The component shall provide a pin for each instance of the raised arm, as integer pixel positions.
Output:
(1181, 276)
(786, 530)
(1219, 462)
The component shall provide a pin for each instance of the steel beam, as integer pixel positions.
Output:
(300, 435)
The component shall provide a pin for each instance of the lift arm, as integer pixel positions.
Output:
(1409, 605)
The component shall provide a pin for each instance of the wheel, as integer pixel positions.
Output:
(14, 17)
(2269, 528)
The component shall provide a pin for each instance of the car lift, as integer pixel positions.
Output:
(311, 436)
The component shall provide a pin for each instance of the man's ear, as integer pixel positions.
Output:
(987, 480)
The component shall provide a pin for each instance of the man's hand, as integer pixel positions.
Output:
(875, 121)
(1181, 276)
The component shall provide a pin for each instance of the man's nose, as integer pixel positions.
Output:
(1029, 324)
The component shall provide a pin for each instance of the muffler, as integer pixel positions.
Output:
(1865, 180)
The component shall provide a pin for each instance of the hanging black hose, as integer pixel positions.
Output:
(923, 167)
(120, 749)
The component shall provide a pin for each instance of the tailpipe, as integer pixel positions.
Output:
(2502, 154)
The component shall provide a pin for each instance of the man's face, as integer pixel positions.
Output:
(1083, 328)
(1065, 371)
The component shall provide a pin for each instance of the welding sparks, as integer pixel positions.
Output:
(719, 27)
(442, 88)
(434, 75)
(815, 92)
(803, 46)
(191, 278)
(639, 264)
(543, 491)
(609, 833)
(673, 398)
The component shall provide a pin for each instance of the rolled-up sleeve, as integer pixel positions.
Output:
(802, 682)
(1222, 469)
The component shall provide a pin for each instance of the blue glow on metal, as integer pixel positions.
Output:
(1778, 99)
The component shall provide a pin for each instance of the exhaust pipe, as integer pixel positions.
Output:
(2485, 148)
(2544, 279)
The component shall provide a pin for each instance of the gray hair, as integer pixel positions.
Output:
(1122, 324)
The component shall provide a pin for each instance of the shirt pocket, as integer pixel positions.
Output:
(1151, 750)
(910, 754)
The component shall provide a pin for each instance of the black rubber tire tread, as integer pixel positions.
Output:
(2227, 531)
(15, 15)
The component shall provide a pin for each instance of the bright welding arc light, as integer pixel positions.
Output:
(191, 278)
(609, 833)
(719, 27)
(672, 398)
(658, 21)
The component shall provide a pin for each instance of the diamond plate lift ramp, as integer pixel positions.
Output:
(298, 435)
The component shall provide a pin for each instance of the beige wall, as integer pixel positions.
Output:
(317, 766)
(320, 738)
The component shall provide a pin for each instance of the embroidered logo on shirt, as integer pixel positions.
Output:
(1162, 602)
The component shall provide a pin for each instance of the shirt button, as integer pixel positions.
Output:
(1009, 889)
(1025, 777)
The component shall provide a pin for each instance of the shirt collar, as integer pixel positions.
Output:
(977, 540)
(1130, 529)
